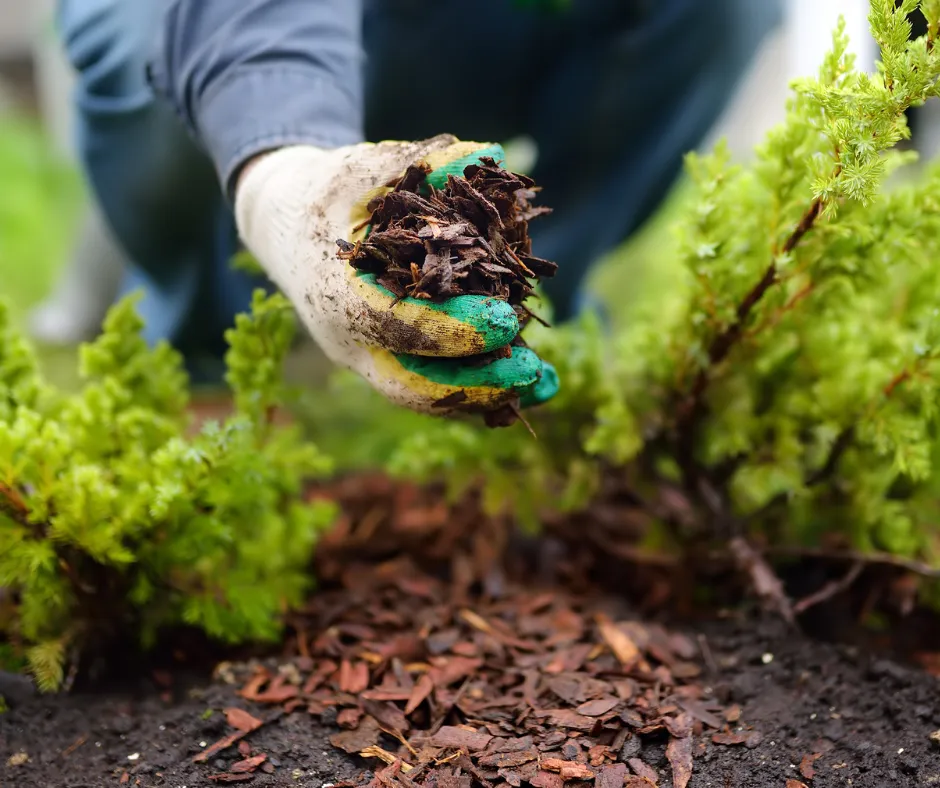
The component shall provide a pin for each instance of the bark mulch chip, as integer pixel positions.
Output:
(535, 687)
(469, 238)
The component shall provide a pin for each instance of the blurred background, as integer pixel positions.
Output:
(46, 218)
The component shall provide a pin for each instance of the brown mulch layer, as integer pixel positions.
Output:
(441, 654)
(817, 714)
(469, 238)
(512, 687)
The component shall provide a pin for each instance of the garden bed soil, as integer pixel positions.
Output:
(868, 720)
(491, 667)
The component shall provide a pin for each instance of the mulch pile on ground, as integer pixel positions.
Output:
(469, 238)
(440, 687)
(436, 654)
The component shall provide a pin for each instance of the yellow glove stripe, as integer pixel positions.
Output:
(462, 328)
(428, 391)
(458, 150)
(411, 327)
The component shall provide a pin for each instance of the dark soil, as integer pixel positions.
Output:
(498, 665)
(870, 720)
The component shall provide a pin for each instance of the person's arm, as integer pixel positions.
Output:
(283, 78)
(255, 75)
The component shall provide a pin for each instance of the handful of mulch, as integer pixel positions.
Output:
(469, 238)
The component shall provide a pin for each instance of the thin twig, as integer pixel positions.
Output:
(830, 590)
(869, 559)
(707, 655)
(13, 500)
(775, 318)
(515, 409)
(535, 317)
(635, 555)
(902, 376)
(763, 578)
(14, 507)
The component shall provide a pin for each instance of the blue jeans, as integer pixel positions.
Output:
(156, 188)
(613, 96)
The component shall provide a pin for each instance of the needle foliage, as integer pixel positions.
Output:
(119, 520)
(785, 384)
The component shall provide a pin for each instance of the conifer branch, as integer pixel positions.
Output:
(137, 497)
(691, 410)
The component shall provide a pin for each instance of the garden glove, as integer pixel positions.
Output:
(293, 204)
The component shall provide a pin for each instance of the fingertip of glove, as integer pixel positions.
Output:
(544, 389)
(494, 321)
(516, 373)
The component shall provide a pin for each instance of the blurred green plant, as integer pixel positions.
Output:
(38, 204)
(116, 518)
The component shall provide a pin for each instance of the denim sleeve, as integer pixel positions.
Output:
(252, 75)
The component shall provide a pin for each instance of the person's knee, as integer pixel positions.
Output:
(106, 42)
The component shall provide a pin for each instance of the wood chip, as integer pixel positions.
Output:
(241, 720)
(366, 735)
(249, 764)
(625, 650)
(508, 760)
(806, 765)
(597, 708)
(632, 781)
(569, 770)
(642, 770)
(750, 739)
(569, 718)
(546, 779)
(353, 677)
(611, 776)
(388, 715)
(277, 694)
(420, 692)
(679, 754)
(460, 738)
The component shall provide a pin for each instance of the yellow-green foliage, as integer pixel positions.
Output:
(788, 381)
(114, 517)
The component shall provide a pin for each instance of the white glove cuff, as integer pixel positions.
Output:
(273, 205)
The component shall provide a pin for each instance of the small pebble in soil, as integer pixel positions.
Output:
(18, 759)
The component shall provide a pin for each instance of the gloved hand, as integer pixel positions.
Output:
(293, 204)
